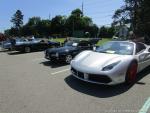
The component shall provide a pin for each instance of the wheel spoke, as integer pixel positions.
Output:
(68, 58)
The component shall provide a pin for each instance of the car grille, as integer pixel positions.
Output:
(92, 77)
(99, 78)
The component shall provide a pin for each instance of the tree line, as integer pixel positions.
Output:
(59, 26)
(136, 13)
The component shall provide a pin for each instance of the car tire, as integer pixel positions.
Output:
(9, 49)
(27, 49)
(68, 59)
(131, 73)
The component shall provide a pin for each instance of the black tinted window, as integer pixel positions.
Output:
(140, 47)
(83, 43)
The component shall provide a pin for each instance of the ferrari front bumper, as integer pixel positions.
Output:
(99, 78)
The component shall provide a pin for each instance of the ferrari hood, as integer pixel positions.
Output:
(97, 60)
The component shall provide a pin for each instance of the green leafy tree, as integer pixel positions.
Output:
(136, 12)
(31, 27)
(77, 22)
(12, 32)
(106, 32)
(17, 19)
(58, 25)
(103, 32)
(44, 28)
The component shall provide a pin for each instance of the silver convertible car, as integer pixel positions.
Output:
(112, 63)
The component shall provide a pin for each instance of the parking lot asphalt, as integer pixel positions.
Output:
(31, 84)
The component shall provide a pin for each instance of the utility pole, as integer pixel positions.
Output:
(49, 16)
(82, 9)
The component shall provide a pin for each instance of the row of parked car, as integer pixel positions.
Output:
(54, 51)
(28, 45)
(111, 63)
(69, 50)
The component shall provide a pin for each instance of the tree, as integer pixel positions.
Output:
(136, 12)
(77, 22)
(58, 25)
(77, 13)
(33, 21)
(106, 32)
(31, 27)
(12, 32)
(17, 19)
(44, 28)
(103, 32)
(92, 30)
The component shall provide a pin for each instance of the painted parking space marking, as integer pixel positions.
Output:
(145, 107)
(60, 71)
(38, 59)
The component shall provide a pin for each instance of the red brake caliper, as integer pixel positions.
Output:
(132, 73)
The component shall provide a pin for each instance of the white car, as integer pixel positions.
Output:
(112, 63)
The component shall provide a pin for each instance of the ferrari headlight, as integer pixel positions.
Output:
(110, 66)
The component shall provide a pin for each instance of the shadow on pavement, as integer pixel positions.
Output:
(53, 64)
(19, 52)
(15, 53)
(142, 74)
(3, 51)
(96, 90)
(102, 91)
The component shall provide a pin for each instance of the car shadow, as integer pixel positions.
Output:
(142, 74)
(53, 64)
(102, 91)
(15, 53)
(4, 51)
(19, 52)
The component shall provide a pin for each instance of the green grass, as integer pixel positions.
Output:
(104, 40)
(61, 40)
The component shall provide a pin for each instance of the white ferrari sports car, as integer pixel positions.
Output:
(112, 63)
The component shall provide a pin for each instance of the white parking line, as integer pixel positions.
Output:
(38, 59)
(59, 71)
(145, 107)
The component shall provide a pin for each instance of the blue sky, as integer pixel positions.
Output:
(100, 11)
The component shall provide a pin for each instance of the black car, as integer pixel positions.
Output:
(68, 51)
(35, 44)
(9, 43)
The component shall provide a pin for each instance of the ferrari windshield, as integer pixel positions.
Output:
(116, 47)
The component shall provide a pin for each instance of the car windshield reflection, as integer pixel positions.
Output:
(121, 48)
